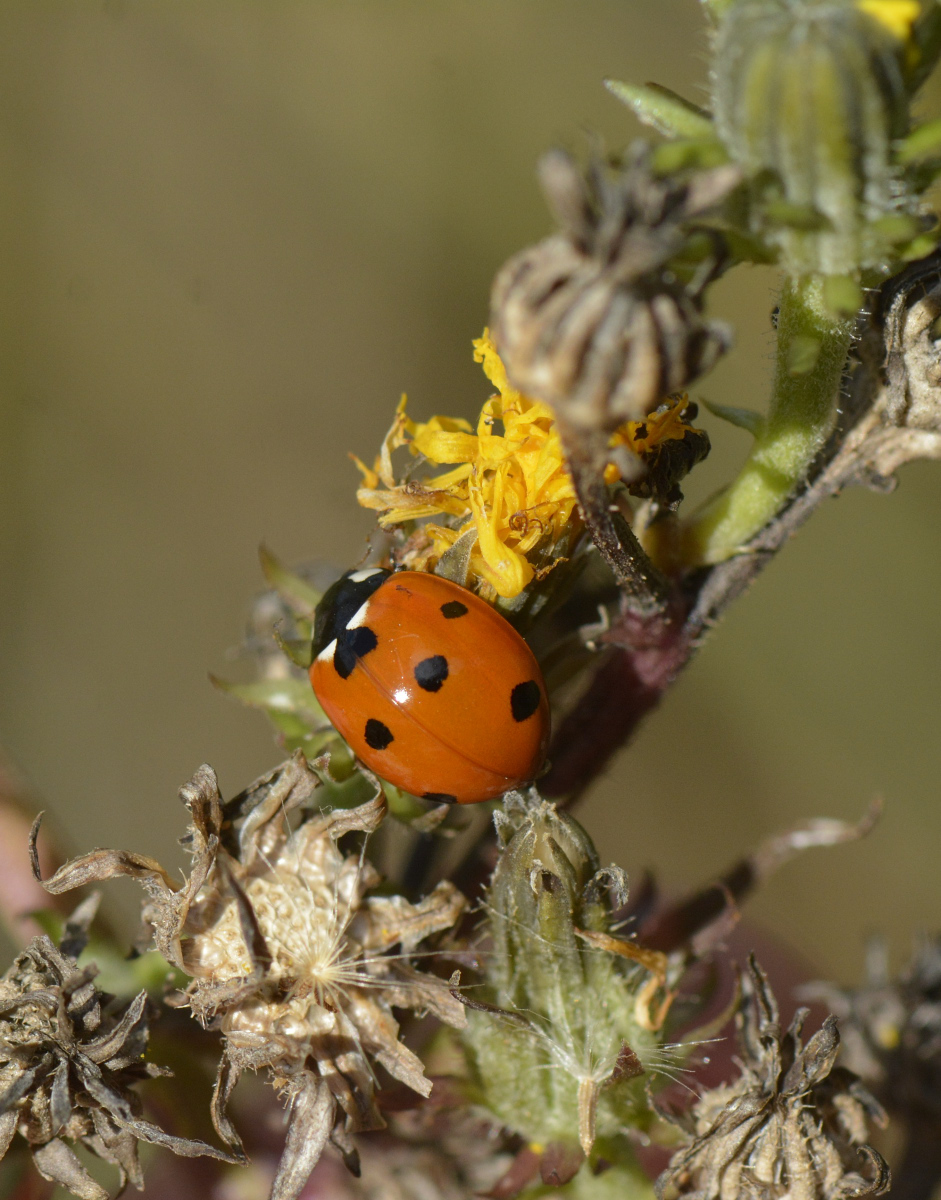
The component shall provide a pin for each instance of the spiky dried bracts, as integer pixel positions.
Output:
(289, 958)
(793, 1123)
(590, 320)
(70, 1059)
(891, 1029)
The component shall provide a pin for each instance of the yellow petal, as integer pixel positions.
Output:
(506, 571)
(444, 446)
(370, 478)
(897, 16)
(485, 352)
(452, 481)
(397, 436)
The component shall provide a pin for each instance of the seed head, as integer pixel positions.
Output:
(892, 1030)
(70, 1056)
(793, 1124)
(590, 320)
(289, 957)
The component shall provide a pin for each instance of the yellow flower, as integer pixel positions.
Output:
(508, 485)
(897, 16)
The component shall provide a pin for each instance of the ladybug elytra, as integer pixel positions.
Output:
(430, 686)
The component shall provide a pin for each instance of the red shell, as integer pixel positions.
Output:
(449, 702)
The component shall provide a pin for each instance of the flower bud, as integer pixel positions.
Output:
(809, 96)
(560, 1048)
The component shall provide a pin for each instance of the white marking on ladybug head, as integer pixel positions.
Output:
(359, 617)
(326, 654)
(366, 573)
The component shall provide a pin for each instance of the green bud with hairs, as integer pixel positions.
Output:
(810, 99)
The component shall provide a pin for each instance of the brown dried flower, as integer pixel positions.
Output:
(791, 1125)
(589, 320)
(892, 1028)
(288, 957)
(69, 1056)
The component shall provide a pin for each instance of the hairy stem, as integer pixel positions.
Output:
(811, 353)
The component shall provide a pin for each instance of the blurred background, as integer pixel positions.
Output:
(230, 236)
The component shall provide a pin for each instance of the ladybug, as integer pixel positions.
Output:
(430, 686)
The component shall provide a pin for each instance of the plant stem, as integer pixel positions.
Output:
(811, 352)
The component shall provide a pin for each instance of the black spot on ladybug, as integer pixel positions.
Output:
(431, 673)
(640, 431)
(440, 797)
(353, 644)
(524, 700)
(378, 736)
(454, 608)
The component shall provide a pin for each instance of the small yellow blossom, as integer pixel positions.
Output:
(510, 486)
(897, 16)
(643, 437)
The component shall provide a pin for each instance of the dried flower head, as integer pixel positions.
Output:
(590, 320)
(508, 488)
(289, 958)
(70, 1056)
(793, 1124)
(892, 1029)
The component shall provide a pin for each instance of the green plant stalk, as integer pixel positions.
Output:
(812, 346)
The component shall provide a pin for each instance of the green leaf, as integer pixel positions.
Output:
(299, 650)
(804, 217)
(716, 8)
(125, 976)
(688, 154)
(744, 418)
(919, 247)
(922, 142)
(748, 248)
(286, 695)
(50, 922)
(664, 110)
(294, 736)
(897, 227)
(347, 793)
(403, 806)
(296, 592)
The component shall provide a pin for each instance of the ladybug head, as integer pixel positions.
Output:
(342, 601)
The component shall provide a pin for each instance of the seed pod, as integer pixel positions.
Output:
(589, 320)
(808, 97)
